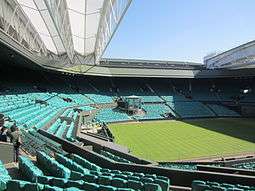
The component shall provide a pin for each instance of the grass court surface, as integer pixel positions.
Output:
(178, 140)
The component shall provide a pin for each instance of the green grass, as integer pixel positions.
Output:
(176, 140)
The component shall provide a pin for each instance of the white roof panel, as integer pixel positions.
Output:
(33, 14)
(84, 19)
(77, 5)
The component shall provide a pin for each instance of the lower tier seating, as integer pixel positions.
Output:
(155, 111)
(246, 165)
(97, 98)
(179, 166)
(191, 109)
(32, 142)
(110, 115)
(199, 185)
(223, 111)
(114, 157)
(4, 177)
(74, 173)
(64, 126)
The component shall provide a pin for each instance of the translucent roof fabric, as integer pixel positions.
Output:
(84, 18)
(33, 14)
(81, 26)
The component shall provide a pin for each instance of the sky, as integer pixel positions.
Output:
(182, 30)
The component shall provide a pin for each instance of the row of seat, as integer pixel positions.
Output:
(179, 166)
(114, 157)
(64, 172)
(110, 115)
(191, 109)
(27, 168)
(245, 165)
(223, 111)
(164, 182)
(62, 128)
(154, 111)
(32, 141)
(20, 185)
(199, 185)
(99, 98)
(4, 176)
(50, 165)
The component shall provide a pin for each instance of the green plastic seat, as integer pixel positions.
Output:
(243, 187)
(32, 187)
(13, 185)
(136, 185)
(152, 187)
(163, 184)
(234, 189)
(138, 174)
(194, 182)
(72, 189)
(76, 175)
(200, 187)
(153, 176)
(107, 174)
(116, 172)
(146, 180)
(135, 178)
(218, 188)
(119, 183)
(52, 188)
(58, 182)
(76, 183)
(127, 173)
(125, 189)
(90, 186)
(89, 178)
(228, 185)
(106, 188)
(44, 179)
(123, 176)
(105, 170)
(104, 180)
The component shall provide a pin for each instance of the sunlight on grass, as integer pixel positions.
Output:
(176, 140)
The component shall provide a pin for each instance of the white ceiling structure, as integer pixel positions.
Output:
(75, 27)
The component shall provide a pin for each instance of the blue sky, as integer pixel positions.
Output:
(183, 30)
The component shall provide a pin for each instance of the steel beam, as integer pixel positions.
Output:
(56, 18)
(111, 16)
